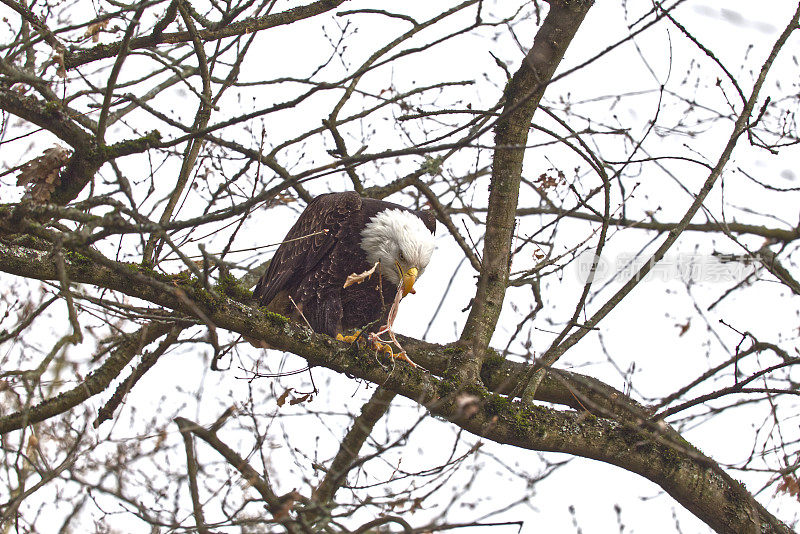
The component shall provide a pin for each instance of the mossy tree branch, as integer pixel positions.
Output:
(522, 97)
(88, 156)
(82, 57)
(691, 478)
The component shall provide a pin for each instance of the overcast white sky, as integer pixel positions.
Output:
(641, 334)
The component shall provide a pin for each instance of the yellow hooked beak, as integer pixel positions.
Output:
(409, 277)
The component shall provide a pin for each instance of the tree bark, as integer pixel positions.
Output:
(522, 97)
(659, 455)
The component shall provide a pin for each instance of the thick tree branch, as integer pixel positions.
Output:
(50, 116)
(260, 482)
(96, 382)
(570, 389)
(522, 96)
(375, 408)
(691, 478)
(148, 360)
(88, 156)
(82, 57)
(191, 469)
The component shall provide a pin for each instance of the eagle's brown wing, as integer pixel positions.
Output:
(298, 255)
(428, 218)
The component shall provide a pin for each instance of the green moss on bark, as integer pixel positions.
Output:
(231, 287)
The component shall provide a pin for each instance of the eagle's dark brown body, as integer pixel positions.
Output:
(312, 270)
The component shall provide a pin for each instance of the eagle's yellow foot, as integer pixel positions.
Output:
(386, 349)
(403, 356)
(347, 339)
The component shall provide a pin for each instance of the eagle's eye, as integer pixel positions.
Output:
(402, 257)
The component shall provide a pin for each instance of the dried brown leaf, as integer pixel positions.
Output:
(684, 327)
(287, 503)
(298, 400)
(282, 398)
(30, 451)
(162, 437)
(790, 485)
(358, 278)
(282, 199)
(61, 69)
(41, 175)
(94, 30)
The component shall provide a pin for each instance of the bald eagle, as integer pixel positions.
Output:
(339, 234)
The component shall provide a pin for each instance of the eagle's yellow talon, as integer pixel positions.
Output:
(383, 347)
(386, 349)
(379, 347)
(403, 356)
(346, 339)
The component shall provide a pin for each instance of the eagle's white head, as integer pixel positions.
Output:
(401, 242)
